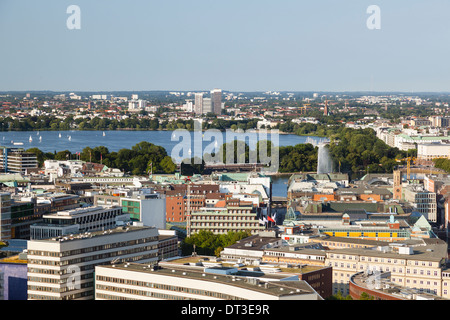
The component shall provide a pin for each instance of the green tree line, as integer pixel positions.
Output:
(138, 160)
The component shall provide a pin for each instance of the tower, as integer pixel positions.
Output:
(198, 103)
(397, 185)
(216, 101)
(325, 111)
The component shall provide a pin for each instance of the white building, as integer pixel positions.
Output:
(78, 220)
(63, 268)
(173, 282)
(59, 168)
(423, 201)
(432, 151)
(198, 103)
(137, 105)
(146, 207)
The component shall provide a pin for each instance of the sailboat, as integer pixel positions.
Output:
(104, 133)
(31, 139)
(40, 138)
(70, 138)
(60, 135)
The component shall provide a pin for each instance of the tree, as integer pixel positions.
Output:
(63, 155)
(365, 296)
(167, 165)
(40, 156)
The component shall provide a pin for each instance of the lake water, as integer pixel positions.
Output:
(76, 141)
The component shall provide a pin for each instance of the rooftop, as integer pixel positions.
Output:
(85, 235)
(382, 283)
(245, 279)
(433, 250)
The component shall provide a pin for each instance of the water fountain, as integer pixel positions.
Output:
(324, 161)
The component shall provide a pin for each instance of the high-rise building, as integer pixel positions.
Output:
(198, 103)
(207, 105)
(216, 101)
(17, 160)
(62, 268)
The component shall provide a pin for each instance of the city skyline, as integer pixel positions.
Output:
(250, 46)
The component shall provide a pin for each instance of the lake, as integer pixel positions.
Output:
(76, 141)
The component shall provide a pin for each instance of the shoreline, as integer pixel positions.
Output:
(134, 129)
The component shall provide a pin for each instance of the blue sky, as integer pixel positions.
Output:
(246, 45)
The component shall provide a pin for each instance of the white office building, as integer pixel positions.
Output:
(170, 282)
(146, 207)
(78, 220)
(62, 268)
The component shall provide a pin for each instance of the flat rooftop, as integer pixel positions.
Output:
(245, 280)
(434, 250)
(79, 211)
(92, 234)
(392, 289)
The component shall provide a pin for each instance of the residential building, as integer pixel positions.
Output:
(216, 101)
(207, 106)
(198, 104)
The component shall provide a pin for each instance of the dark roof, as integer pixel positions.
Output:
(356, 214)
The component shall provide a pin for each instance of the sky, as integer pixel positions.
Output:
(245, 45)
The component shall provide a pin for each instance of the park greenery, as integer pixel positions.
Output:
(442, 163)
(354, 151)
(208, 243)
(360, 151)
(138, 160)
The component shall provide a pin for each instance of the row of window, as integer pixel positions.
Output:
(91, 249)
(184, 290)
(108, 255)
(226, 217)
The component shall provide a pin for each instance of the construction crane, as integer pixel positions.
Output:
(304, 108)
(408, 160)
